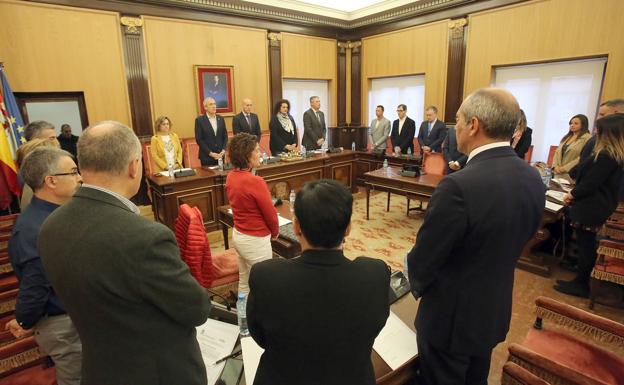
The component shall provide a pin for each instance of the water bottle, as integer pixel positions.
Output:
(170, 169)
(547, 177)
(241, 311)
(303, 151)
(264, 157)
(352, 146)
(405, 267)
(292, 200)
(385, 164)
(220, 162)
(409, 152)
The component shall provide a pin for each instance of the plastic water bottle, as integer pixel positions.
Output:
(385, 166)
(405, 267)
(264, 157)
(547, 176)
(220, 162)
(170, 170)
(241, 311)
(352, 146)
(292, 200)
(303, 151)
(409, 152)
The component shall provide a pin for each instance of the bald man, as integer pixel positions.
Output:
(462, 265)
(247, 121)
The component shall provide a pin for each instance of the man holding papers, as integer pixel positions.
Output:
(317, 316)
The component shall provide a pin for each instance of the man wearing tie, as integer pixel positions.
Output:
(210, 134)
(246, 121)
(379, 129)
(432, 131)
(403, 130)
(313, 125)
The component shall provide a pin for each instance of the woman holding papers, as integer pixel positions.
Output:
(595, 197)
(569, 150)
(165, 147)
(255, 217)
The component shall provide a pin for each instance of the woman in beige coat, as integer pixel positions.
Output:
(165, 147)
(569, 150)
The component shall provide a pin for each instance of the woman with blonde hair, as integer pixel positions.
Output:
(595, 197)
(165, 147)
(569, 150)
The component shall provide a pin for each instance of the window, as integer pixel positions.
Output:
(550, 94)
(298, 93)
(390, 92)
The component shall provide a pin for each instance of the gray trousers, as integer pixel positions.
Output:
(57, 337)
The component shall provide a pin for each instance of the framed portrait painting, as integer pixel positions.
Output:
(218, 83)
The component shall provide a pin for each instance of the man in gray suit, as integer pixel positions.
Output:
(379, 129)
(132, 299)
(314, 125)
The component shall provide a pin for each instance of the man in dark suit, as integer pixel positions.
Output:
(454, 159)
(210, 134)
(478, 221)
(403, 131)
(132, 299)
(317, 316)
(314, 130)
(432, 131)
(247, 121)
(68, 140)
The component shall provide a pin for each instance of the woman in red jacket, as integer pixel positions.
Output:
(255, 217)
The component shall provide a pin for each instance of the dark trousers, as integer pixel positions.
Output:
(209, 162)
(439, 367)
(586, 241)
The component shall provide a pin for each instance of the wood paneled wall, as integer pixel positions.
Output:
(546, 30)
(50, 48)
(413, 51)
(174, 46)
(308, 57)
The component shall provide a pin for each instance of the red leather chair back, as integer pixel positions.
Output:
(190, 153)
(434, 163)
(193, 244)
(529, 154)
(551, 155)
(149, 166)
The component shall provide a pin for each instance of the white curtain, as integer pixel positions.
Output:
(550, 94)
(298, 93)
(390, 92)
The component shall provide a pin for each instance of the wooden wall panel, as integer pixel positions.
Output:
(52, 48)
(174, 46)
(413, 51)
(546, 30)
(307, 57)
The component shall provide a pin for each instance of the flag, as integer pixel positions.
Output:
(12, 127)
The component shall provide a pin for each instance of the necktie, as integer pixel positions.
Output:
(429, 129)
(247, 118)
(318, 117)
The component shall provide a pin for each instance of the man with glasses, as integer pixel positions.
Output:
(54, 178)
(403, 131)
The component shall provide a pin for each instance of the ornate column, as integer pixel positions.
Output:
(275, 66)
(455, 68)
(356, 83)
(342, 83)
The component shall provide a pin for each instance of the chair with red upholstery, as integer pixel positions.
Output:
(214, 271)
(560, 357)
(551, 155)
(434, 164)
(21, 364)
(516, 375)
(7, 222)
(265, 140)
(529, 154)
(606, 285)
(190, 153)
(149, 165)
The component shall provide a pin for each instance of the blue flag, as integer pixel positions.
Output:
(12, 117)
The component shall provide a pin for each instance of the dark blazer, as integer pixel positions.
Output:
(406, 139)
(596, 191)
(478, 221)
(313, 130)
(280, 137)
(317, 316)
(239, 124)
(132, 299)
(207, 140)
(524, 143)
(435, 137)
(450, 151)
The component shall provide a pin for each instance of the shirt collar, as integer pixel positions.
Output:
(43, 204)
(486, 147)
(123, 199)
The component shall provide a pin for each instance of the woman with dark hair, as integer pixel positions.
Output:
(569, 150)
(165, 146)
(521, 139)
(283, 129)
(255, 217)
(595, 197)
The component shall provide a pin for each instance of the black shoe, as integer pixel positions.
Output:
(573, 288)
(562, 282)
(569, 264)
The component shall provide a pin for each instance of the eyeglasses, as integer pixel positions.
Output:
(399, 110)
(73, 173)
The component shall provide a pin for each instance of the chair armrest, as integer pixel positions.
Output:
(515, 374)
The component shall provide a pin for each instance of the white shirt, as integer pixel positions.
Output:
(486, 147)
(213, 123)
(123, 199)
(169, 150)
(401, 121)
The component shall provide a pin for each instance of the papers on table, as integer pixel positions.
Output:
(166, 172)
(251, 358)
(556, 195)
(552, 206)
(396, 343)
(283, 221)
(561, 181)
(216, 340)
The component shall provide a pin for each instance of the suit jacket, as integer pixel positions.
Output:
(280, 137)
(157, 149)
(313, 129)
(130, 296)
(524, 143)
(406, 139)
(207, 140)
(239, 124)
(435, 137)
(379, 131)
(571, 156)
(317, 316)
(478, 221)
(450, 151)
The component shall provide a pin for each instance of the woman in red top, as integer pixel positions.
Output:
(255, 217)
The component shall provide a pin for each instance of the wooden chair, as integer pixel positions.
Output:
(551, 155)
(529, 154)
(190, 153)
(149, 166)
(516, 375)
(434, 164)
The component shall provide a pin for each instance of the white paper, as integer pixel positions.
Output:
(216, 340)
(396, 343)
(230, 211)
(552, 206)
(556, 195)
(166, 172)
(561, 181)
(251, 358)
(283, 221)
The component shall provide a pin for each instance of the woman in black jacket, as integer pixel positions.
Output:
(283, 129)
(521, 139)
(595, 197)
